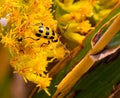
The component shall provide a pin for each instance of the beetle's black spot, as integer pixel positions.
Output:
(44, 36)
(47, 28)
(49, 58)
(51, 37)
(53, 33)
(20, 39)
(41, 23)
(38, 35)
(55, 40)
(47, 33)
(41, 29)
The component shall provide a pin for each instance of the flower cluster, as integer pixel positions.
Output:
(74, 21)
(28, 53)
(103, 8)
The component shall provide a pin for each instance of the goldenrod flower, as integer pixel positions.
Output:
(75, 18)
(29, 54)
(84, 27)
(103, 8)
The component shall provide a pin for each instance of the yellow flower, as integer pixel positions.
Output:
(44, 83)
(84, 27)
(32, 69)
(102, 8)
(10, 41)
(29, 55)
(74, 21)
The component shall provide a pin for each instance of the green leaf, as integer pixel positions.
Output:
(99, 82)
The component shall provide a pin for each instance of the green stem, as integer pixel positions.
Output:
(107, 36)
(87, 62)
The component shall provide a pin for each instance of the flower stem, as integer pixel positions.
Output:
(87, 62)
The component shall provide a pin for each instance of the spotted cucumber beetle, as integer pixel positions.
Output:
(45, 32)
(41, 32)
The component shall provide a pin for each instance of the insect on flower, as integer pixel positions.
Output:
(45, 32)
(42, 31)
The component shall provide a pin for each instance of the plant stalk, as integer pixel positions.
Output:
(87, 62)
